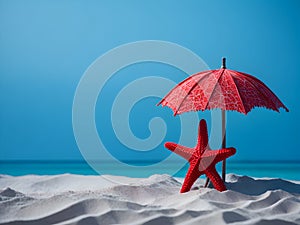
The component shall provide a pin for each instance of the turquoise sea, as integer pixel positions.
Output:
(277, 169)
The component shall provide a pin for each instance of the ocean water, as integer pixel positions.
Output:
(272, 169)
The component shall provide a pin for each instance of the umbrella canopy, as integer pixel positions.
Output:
(224, 89)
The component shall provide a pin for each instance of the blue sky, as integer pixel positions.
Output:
(45, 47)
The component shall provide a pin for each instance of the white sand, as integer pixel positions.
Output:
(76, 199)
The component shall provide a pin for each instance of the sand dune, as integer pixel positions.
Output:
(76, 199)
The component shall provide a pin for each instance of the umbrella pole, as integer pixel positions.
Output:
(223, 146)
(223, 143)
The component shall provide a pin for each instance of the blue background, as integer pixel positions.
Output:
(45, 47)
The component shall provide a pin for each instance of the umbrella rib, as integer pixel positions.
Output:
(178, 86)
(260, 82)
(262, 94)
(192, 88)
(239, 94)
(214, 89)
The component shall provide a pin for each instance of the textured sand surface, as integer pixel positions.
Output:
(76, 199)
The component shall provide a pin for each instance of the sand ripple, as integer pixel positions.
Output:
(81, 200)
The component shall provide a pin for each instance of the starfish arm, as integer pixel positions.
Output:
(215, 178)
(202, 143)
(183, 151)
(190, 178)
(225, 153)
(216, 156)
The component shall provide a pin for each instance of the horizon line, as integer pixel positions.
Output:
(136, 161)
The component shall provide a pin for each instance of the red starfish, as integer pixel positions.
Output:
(202, 160)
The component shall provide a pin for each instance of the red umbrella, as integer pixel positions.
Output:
(224, 89)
